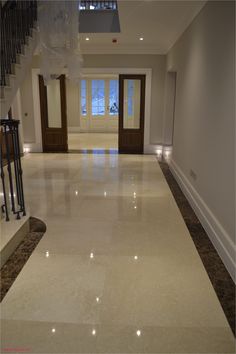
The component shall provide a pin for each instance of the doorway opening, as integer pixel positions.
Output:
(105, 113)
(96, 125)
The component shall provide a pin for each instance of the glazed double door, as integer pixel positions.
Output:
(99, 100)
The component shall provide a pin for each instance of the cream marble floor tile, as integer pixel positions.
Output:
(50, 337)
(148, 291)
(92, 141)
(119, 260)
(116, 238)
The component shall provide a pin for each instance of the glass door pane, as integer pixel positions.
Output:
(98, 97)
(83, 97)
(54, 104)
(113, 97)
(132, 95)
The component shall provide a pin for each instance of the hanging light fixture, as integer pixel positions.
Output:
(59, 38)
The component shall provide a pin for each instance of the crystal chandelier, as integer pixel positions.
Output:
(59, 38)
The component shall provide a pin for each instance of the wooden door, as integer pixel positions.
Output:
(131, 113)
(53, 115)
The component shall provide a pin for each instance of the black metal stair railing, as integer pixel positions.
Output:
(11, 170)
(17, 20)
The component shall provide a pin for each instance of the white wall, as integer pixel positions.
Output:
(26, 94)
(169, 108)
(204, 133)
(17, 114)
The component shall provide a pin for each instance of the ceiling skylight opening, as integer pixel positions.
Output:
(98, 16)
(141, 38)
(98, 5)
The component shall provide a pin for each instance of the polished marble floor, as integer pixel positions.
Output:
(116, 271)
(91, 141)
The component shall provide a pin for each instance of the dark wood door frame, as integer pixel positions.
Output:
(131, 141)
(54, 139)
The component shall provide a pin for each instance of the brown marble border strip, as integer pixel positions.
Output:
(20, 256)
(218, 274)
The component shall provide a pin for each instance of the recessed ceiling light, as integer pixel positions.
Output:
(141, 38)
(87, 38)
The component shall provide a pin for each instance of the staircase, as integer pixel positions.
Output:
(19, 38)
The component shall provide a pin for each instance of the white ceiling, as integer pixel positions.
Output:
(160, 23)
